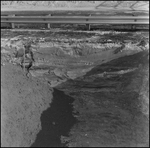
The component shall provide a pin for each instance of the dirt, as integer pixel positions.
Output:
(105, 72)
(56, 121)
(23, 100)
(111, 111)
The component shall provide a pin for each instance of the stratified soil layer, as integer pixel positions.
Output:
(62, 55)
(23, 100)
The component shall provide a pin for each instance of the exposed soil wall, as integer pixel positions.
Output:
(113, 108)
(106, 73)
(23, 100)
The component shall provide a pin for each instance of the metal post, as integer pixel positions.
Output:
(133, 27)
(12, 24)
(88, 25)
(49, 25)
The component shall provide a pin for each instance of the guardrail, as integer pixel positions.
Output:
(132, 20)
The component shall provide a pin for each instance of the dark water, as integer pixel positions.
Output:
(57, 120)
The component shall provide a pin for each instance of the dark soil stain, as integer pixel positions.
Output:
(57, 120)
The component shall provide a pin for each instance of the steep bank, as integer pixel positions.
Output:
(63, 55)
(112, 101)
(22, 102)
(103, 73)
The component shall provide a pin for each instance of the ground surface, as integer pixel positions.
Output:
(111, 110)
(106, 72)
(22, 102)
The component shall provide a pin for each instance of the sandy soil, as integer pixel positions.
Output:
(106, 72)
(58, 59)
(22, 102)
(112, 109)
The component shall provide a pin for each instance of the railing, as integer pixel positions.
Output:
(45, 18)
(75, 19)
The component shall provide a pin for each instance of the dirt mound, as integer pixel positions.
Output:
(74, 52)
(112, 111)
(23, 100)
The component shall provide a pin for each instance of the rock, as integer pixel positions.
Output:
(60, 72)
(40, 72)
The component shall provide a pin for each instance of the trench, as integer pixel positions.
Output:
(57, 120)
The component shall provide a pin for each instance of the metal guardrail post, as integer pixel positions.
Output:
(133, 27)
(12, 24)
(88, 25)
(49, 25)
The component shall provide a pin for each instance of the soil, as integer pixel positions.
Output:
(104, 72)
(56, 121)
(23, 100)
(110, 109)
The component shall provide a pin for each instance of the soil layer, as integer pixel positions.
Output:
(104, 72)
